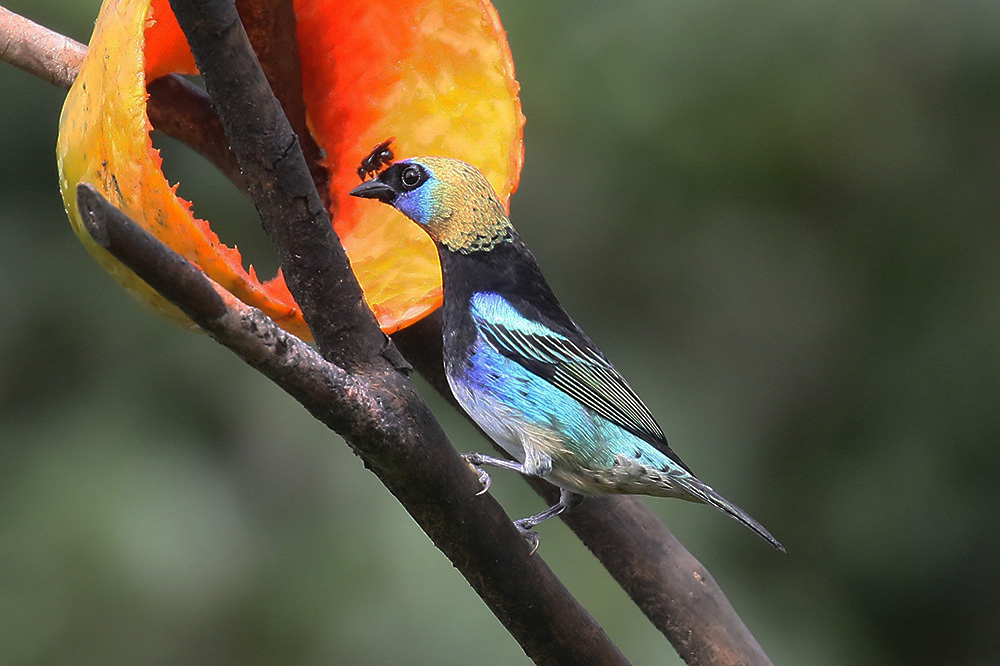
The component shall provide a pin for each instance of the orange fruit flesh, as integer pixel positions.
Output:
(436, 74)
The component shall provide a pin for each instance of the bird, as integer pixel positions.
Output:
(518, 364)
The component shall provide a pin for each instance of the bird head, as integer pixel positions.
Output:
(448, 198)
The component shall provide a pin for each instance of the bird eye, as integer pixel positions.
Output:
(411, 177)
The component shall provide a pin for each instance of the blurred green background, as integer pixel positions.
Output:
(778, 218)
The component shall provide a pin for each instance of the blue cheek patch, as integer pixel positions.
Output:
(420, 205)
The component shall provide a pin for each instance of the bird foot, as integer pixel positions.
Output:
(474, 460)
(530, 535)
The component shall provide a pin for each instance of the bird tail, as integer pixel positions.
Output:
(701, 492)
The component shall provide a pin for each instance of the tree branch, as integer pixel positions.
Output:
(39, 51)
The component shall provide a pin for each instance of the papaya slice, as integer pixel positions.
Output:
(436, 74)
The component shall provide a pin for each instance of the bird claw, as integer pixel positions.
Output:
(484, 478)
(530, 535)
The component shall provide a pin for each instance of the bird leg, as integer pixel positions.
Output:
(478, 459)
(567, 500)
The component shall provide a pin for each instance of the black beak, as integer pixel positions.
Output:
(374, 189)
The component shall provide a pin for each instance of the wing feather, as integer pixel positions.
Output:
(577, 370)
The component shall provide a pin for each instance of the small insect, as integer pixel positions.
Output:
(380, 157)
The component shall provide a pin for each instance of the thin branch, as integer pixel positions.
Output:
(387, 424)
(675, 591)
(39, 51)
